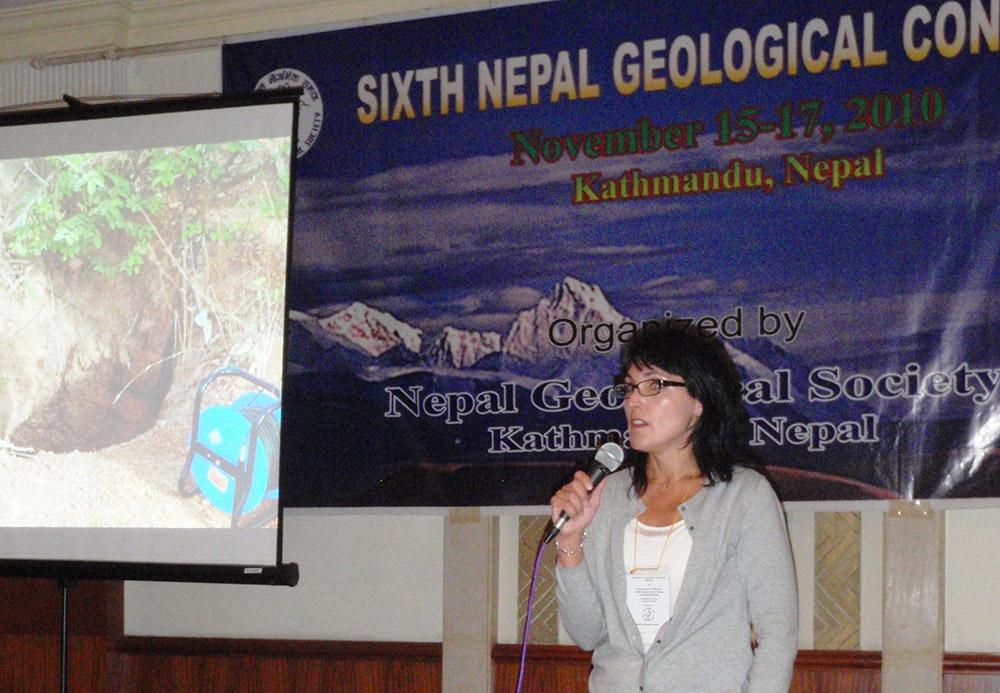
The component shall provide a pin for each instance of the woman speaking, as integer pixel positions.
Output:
(677, 572)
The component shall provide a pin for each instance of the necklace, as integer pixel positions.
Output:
(670, 482)
(663, 549)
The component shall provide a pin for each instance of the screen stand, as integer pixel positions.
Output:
(64, 584)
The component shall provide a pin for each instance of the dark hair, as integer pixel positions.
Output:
(719, 439)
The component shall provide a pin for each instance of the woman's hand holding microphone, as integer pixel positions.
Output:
(579, 499)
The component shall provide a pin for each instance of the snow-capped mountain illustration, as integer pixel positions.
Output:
(314, 349)
(573, 301)
(371, 331)
(370, 335)
(375, 345)
(457, 348)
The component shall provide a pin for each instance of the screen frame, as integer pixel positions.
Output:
(279, 573)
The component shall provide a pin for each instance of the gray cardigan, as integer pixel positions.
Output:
(739, 573)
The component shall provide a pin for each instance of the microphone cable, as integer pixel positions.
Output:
(606, 460)
(527, 615)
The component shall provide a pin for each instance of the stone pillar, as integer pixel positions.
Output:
(913, 599)
(471, 550)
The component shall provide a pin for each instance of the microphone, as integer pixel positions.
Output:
(606, 460)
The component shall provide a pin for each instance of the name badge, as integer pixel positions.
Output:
(648, 600)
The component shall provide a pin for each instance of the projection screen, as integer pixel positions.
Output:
(143, 258)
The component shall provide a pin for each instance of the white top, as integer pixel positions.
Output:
(659, 555)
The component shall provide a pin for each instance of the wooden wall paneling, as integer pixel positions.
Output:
(31, 663)
(553, 668)
(563, 669)
(34, 605)
(276, 666)
(30, 628)
(832, 671)
(971, 673)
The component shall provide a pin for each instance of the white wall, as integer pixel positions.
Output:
(362, 577)
(191, 72)
(972, 580)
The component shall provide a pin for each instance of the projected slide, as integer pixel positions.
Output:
(142, 295)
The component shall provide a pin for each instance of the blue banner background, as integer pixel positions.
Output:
(429, 267)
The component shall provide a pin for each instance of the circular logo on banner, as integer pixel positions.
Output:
(310, 104)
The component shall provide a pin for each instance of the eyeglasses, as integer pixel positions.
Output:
(646, 388)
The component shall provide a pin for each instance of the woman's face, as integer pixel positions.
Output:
(662, 423)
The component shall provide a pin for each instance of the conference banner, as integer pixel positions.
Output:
(489, 204)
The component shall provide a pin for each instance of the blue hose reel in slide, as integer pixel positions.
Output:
(233, 453)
